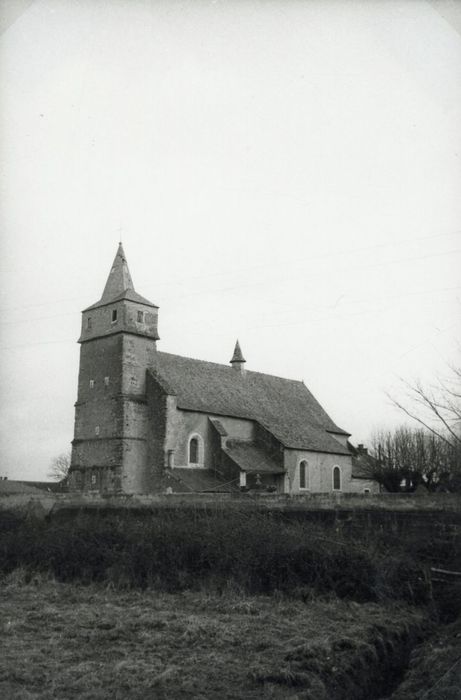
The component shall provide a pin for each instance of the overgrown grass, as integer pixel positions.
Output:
(435, 668)
(92, 643)
(177, 550)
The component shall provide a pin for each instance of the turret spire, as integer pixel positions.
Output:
(119, 279)
(238, 361)
(119, 285)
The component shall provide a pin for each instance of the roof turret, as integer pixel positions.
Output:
(237, 358)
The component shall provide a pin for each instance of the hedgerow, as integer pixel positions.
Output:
(180, 549)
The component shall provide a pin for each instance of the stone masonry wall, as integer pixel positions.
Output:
(190, 422)
(156, 431)
(138, 354)
(98, 322)
(112, 415)
(320, 470)
(98, 411)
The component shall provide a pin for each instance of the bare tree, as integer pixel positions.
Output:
(437, 408)
(402, 459)
(392, 462)
(59, 467)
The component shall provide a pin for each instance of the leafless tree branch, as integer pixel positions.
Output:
(60, 466)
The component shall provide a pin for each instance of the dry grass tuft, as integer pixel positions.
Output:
(66, 641)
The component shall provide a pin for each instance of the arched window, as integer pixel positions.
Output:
(303, 475)
(336, 478)
(195, 451)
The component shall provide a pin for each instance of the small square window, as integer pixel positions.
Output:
(140, 317)
(114, 316)
(106, 381)
(88, 323)
(91, 383)
(96, 430)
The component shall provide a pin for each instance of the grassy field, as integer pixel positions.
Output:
(89, 642)
(169, 605)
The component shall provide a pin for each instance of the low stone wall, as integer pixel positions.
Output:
(347, 502)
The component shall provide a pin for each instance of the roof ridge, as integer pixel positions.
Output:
(226, 366)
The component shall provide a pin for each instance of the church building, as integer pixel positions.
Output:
(152, 422)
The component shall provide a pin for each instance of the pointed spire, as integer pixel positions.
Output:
(238, 361)
(119, 279)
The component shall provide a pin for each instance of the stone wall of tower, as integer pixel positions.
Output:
(111, 414)
(138, 356)
(98, 411)
(158, 424)
(97, 322)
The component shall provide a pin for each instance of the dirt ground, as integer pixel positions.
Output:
(65, 641)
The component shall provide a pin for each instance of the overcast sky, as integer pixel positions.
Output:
(287, 173)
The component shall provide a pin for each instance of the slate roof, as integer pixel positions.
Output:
(363, 467)
(285, 407)
(129, 294)
(9, 487)
(119, 277)
(218, 426)
(251, 458)
(363, 464)
(119, 284)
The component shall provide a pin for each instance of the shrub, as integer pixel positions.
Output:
(178, 549)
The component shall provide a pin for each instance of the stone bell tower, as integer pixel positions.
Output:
(117, 346)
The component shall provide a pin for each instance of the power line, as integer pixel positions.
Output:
(38, 318)
(313, 258)
(42, 342)
(297, 306)
(321, 256)
(291, 277)
(322, 319)
(262, 282)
